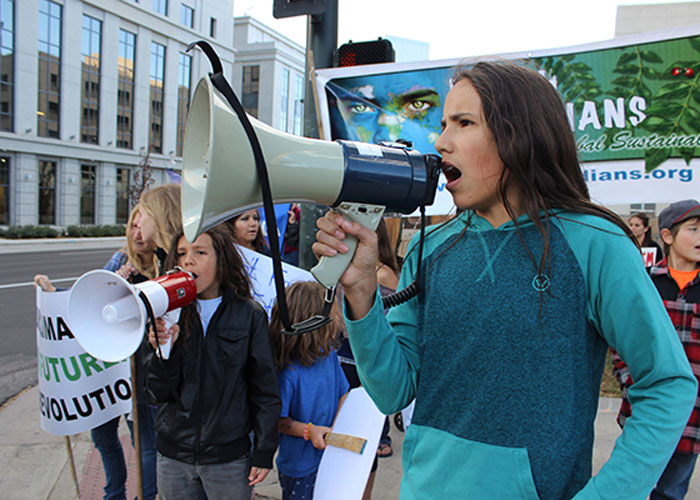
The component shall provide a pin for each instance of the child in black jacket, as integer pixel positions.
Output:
(219, 382)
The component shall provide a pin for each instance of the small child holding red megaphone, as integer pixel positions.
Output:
(218, 384)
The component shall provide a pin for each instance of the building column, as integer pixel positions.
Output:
(106, 194)
(25, 199)
(68, 192)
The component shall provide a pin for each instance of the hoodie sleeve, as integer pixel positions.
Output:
(386, 349)
(624, 306)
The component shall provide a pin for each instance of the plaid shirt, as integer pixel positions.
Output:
(116, 261)
(683, 306)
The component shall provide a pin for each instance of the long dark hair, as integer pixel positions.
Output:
(259, 243)
(387, 256)
(230, 270)
(528, 121)
(646, 241)
(304, 299)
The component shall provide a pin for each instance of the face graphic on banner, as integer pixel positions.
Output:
(390, 107)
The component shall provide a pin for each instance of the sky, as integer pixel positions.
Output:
(462, 28)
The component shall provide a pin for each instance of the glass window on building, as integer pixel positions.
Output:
(284, 100)
(251, 88)
(48, 120)
(47, 192)
(4, 190)
(87, 194)
(155, 132)
(299, 105)
(7, 64)
(186, 15)
(183, 97)
(90, 78)
(125, 89)
(123, 184)
(161, 6)
(643, 207)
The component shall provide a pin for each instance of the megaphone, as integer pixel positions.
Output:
(108, 315)
(219, 176)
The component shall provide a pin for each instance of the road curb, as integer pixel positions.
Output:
(57, 244)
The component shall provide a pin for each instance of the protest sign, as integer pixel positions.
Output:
(631, 104)
(77, 392)
(649, 256)
(259, 268)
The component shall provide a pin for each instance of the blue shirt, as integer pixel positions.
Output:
(309, 394)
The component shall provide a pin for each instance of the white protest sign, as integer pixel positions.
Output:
(342, 474)
(77, 392)
(259, 268)
(649, 256)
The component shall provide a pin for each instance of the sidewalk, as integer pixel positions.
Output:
(35, 466)
(59, 244)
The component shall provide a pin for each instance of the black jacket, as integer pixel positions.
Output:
(226, 384)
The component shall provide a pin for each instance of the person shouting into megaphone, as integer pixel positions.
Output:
(521, 294)
(219, 382)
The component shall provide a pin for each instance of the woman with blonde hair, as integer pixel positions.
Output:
(157, 222)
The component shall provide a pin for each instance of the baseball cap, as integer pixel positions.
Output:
(678, 212)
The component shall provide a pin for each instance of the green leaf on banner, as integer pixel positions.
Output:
(655, 157)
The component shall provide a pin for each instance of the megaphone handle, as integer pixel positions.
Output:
(329, 269)
(171, 317)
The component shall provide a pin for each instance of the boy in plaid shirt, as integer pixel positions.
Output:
(676, 278)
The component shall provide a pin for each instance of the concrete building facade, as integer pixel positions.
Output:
(90, 88)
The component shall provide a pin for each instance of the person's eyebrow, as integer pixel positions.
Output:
(455, 117)
(347, 95)
(417, 94)
(354, 99)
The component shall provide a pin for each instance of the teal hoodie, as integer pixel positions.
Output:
(505, 363)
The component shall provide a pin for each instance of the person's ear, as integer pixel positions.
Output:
(667, 236)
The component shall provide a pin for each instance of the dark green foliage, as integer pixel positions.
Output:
(575, 80)
(24, 232)
(672, 109)
(95, 231)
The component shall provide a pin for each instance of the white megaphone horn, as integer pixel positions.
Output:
(360, 180)
(108, 315)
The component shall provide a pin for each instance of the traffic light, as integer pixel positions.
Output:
(372, 52)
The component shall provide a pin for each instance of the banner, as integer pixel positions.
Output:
(632, 104)
(259, 268)
(77, 392)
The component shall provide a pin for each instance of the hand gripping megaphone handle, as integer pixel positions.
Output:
(170, 318)
(329, 269)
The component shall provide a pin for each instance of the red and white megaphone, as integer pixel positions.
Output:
(108, 315)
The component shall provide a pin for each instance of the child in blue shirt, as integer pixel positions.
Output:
(312, 388)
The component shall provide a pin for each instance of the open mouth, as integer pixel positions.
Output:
(451, 173)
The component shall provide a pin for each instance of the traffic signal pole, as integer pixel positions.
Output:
(321, 42)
